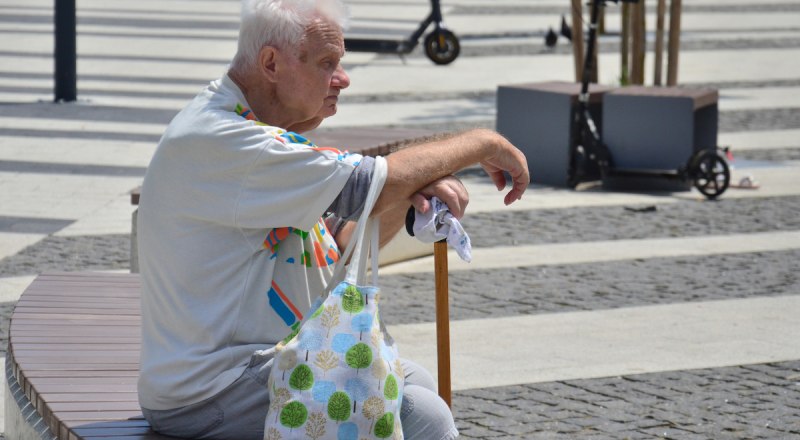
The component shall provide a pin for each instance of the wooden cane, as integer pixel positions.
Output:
(442, 310)
(442, 320)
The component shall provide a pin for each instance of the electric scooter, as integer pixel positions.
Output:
(591, 159)
(441, 45)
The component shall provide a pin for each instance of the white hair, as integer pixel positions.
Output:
(280, 23)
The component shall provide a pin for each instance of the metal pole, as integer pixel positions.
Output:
(66, 78)
(591, 46)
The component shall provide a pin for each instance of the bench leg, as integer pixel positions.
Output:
(134, 243)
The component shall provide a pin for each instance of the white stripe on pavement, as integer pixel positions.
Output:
(776, 181)
(80, 125)
(12, 287)
(12, 242)
(583, 345)
(76, 151)
(62, 196)
(760, 140)
(607, 250)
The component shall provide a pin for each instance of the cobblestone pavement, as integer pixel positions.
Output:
(740, 402)
(492, 293)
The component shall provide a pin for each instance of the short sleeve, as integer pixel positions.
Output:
(292, 184)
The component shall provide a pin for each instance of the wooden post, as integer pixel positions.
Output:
(442, 320)
(673, 46)
(577, 38)
(659, 47)
(639, 43)
(601, 22)
(624, 51)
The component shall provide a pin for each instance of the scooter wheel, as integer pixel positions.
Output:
(710, 173)
(442, 46)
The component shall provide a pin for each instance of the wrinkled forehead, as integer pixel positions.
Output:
(321, 36)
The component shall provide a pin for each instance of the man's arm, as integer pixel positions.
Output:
(422, 171)
(416, 168)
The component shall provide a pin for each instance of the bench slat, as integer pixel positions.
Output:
(74, 343)
(90, 397)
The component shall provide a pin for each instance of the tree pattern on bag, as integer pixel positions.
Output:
(379, 371)
(278, 399)
(361, 323)
(390, 390)
(352, 300)
(293, 415)
(339, 406)
(323, 390)
(398, 368)
(287, 361)
(315, 428)
(359, 356)
(358, 390)
(384, 427)
(330, 318)
(302, 378)
(372, 409)
(273, 434)
(310, 340)
(325, 361)
(317, 389)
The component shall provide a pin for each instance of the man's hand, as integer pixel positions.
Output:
(448, 189)
(509, 159)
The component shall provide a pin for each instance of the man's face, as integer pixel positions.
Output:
(311, 84)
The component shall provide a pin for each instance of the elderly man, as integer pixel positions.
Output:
(241, 220)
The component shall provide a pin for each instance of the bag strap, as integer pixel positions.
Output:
(368, 246)
(379, 173)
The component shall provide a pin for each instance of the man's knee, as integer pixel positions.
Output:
(425, 415)
(415, 374)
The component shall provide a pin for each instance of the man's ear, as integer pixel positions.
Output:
(268, 62)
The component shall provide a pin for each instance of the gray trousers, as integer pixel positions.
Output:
(238, 412)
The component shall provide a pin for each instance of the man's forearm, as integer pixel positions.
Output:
(413, 168)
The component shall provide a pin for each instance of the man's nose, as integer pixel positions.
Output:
(340, 79)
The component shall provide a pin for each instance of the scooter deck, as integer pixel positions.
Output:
(378, 46)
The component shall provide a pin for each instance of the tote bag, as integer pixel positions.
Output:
(340, 377)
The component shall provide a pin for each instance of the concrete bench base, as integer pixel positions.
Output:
(22, 421)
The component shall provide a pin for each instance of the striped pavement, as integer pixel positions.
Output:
(579, 316)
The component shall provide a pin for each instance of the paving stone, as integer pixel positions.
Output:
(694, 413)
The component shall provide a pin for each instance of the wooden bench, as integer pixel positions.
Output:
(74, 352)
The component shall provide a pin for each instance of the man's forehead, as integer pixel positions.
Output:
(323, 35)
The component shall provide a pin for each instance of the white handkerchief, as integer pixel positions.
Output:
(438, 223)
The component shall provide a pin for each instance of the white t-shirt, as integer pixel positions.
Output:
(232, 249)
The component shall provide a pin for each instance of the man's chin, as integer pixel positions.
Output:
(331, 110)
